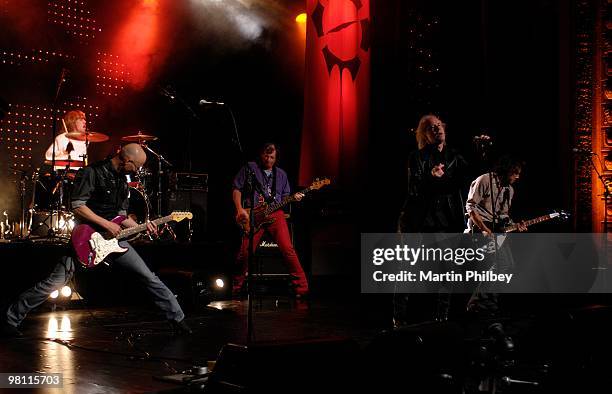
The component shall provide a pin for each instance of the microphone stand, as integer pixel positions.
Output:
(606, 194)
(252, 186)
(160, 161)
(60, 83)
(172, 96)
(483, 146)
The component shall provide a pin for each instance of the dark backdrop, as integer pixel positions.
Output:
(500, 68)
(483, 66)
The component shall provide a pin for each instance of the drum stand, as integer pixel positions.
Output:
(22, 190)
(160, 162)
(160, 172)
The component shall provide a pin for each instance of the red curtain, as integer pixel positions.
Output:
(336, 91)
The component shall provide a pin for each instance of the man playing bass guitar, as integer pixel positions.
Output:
(273, 184)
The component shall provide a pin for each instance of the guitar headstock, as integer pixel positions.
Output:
(177, 216)
(319, 183)
(561, 215)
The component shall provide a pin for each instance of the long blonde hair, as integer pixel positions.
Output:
(424, 136)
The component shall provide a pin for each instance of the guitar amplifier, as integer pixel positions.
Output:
(268, 257)
(189, 192)
(189, 181)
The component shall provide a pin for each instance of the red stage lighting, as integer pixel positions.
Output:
(137, 42)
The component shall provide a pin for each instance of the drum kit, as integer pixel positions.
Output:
(49, 212)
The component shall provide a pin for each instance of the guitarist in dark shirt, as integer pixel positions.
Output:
(273, 186)
(100, 194)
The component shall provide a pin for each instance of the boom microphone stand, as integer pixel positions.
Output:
(60, 83)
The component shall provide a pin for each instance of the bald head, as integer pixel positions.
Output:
(134, 153)
(130, 159)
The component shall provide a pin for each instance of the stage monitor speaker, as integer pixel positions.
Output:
(194, 201)
(299, 366)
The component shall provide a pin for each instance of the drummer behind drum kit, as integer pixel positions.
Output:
(49, 213)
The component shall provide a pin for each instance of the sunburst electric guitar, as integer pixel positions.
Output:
(262, 212)
(92, 247)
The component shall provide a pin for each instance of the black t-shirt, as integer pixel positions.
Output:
(101, 189)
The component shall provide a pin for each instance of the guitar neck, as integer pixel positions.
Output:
(142, 227)
(527, 223)
(278, 205)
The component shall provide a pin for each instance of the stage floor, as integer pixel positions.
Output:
(124, 349)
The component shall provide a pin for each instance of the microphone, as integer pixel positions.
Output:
(168, 91)
(579, 151)
(482, 139)
(207, 102)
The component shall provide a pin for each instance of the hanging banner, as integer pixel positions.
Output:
(336, 91)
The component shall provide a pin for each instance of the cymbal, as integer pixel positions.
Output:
(90, 136)
(139, 137)
(64, 163)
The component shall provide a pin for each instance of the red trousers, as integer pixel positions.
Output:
(280, 234)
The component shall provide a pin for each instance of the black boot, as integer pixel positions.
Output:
(442, 307)
(181, 327)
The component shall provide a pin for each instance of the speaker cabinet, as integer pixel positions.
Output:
(194, 201)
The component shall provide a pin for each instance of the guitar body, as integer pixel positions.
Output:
(505, 226)
(91, 247)
(262, 213)
(259, 218)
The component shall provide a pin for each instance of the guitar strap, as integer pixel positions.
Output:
(269, 199)
(273, 193)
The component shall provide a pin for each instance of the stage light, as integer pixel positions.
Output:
(54, 294)
(66, 291)
(52, 328)
(301, 18)
(219, 283)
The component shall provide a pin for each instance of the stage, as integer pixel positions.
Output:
(121, 349)
(142, 140)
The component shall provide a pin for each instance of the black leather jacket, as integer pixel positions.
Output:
(434, 204)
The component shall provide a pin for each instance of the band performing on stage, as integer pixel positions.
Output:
(243, 196)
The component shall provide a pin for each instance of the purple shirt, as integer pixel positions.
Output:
(265, 181)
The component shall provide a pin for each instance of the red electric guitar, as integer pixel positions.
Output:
(92, 248)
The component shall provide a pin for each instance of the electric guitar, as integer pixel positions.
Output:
(262, 212)
(92, 247)
(504, 227)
